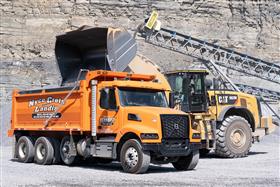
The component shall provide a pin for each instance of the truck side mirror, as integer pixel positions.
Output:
(171, 99)
(104, 98)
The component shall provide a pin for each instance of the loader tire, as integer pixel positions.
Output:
(24, 149)
(187, 162)
(133, 158)
(44, 151)
(233, 138)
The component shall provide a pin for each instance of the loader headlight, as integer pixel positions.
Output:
(149, 136)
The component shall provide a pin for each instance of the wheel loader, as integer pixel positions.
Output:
(232, 120)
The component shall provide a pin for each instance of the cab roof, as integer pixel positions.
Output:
(124, 79)
(136, 84)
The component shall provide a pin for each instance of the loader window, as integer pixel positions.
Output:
(108, 99)
(189, 91)
(142, 97)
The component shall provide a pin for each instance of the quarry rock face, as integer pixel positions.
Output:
(28, 29)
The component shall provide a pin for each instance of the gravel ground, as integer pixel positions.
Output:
(260, 168)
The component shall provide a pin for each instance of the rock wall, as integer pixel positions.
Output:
(28, 29)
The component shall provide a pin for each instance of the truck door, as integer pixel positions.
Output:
(107, 114)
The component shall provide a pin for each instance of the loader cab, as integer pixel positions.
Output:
(189, 92)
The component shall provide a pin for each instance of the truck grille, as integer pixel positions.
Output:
(174, 126)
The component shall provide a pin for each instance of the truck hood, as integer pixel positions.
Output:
(155, 111)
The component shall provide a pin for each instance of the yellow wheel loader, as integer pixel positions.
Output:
(237, 116)
(231, 119)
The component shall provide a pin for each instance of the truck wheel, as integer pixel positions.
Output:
(56, 146)
(44, 151)
(187, 162)
(234, 138)
(204, 152)
(65, 151)
(133, 158)
(25, 149)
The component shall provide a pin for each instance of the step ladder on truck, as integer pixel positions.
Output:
(236, 117)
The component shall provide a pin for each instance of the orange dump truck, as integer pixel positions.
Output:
(102, 114)
(108, 116)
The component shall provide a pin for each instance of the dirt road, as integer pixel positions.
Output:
(260, 168)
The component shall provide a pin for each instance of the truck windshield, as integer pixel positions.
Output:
(142, 97)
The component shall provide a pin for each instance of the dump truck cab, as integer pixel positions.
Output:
(129, 108)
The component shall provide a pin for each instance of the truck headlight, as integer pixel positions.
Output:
(149, 136)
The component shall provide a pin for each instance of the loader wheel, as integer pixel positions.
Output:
(65, 151)
(234, 138)
(133, 158)
(187, 162)
(25, 149)
(44, 151)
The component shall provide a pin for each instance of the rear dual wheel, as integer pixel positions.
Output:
(25, 149)
(44, 151)
(67, 154)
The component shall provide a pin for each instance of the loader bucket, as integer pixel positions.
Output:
(93, 49)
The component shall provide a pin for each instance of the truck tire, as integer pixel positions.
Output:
(44, 151)
(56, 146)
(187, 162)
(234, 137)
(64, 150)
(133, 158)
(204, 152)
(25, 149)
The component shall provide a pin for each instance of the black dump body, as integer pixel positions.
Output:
(93, 49)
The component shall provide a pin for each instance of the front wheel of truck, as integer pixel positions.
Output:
(187, 162)
(133, 158)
